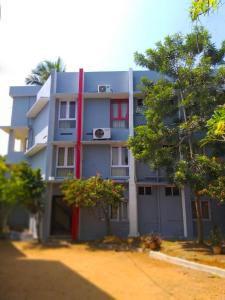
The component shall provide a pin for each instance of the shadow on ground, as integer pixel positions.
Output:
(193, 246)
(26, 278)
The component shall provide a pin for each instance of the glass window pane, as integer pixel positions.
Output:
(115, 156)
(124, 109)
(62, 109)
(124, 211)
(72, 110)
(113, 213)
(124, 156)
(67, 124)
(64, 172)
(119, 171)
(115, 110)
(119, 124)
(148, 190)
(168, 191)
(205, 209)
(61, 155)
(176, 191)
(141, 190)
(70, 156)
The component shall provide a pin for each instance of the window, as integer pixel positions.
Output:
(124, 210)
(172, 191)
(114, 213)
(65, 161)
(119, 213)
(67, 114)
(144, 190)
(204, 206)
(119, 114)
(119, 162)
(139, 106)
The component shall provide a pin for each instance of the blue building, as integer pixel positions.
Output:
(79, 123)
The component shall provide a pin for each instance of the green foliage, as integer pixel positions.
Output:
(216, 127)
(19, 184)
(202, 7)
(215, 236)
(43, 70)
(93, 192)
(200, 173)
(178, 106)
(29, 186)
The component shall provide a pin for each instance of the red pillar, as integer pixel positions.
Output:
(76, 210)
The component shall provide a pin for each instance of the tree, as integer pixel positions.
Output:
(203, 174)
(203, 7)
(29, 191)
(94, 192)
(7, 195)
(43, 70)
(216, 127)
(179, 105)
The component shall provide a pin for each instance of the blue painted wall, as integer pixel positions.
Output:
(117, 80)
(96, 159)
(67, 82)
(38, 161)
(40, 126)
(21, 105)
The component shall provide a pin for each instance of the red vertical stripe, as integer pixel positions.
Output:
(76, 211)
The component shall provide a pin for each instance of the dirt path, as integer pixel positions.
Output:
(29, 272)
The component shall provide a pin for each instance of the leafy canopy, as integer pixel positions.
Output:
(40, 74)
(179, 105)
(29, 186)
(202, 7)
(92, 192)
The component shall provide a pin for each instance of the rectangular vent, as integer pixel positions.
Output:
(66, 133)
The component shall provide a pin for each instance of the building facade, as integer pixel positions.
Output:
(78, 123)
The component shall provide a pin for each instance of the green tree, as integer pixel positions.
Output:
(179, 105)
(216, 127)
(94, 192)
(29, 190)
(41, 73)
(7, 195)
(203, 174)
(203, 7)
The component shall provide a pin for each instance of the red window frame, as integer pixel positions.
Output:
(119, 111)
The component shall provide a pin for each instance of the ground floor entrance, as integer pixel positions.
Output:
(61, 217)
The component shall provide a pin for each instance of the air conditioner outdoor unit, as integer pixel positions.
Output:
(101, 133)
(104, 88)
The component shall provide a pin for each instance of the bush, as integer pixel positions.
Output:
(152, 241)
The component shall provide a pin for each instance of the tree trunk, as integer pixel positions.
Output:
(107, 220)
(4, 214)
(38, 221)
(200, 233)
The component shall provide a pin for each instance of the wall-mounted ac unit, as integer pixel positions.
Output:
(101, 133)
(104, 88)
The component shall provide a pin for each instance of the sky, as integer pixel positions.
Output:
(97, 35)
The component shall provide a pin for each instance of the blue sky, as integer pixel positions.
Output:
(93, 34)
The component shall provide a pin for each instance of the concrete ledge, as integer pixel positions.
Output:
(187, 263)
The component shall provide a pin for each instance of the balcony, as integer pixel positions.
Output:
(42, 99)
(35, 149)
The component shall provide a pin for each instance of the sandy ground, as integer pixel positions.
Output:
(192, 251)
(31, 272)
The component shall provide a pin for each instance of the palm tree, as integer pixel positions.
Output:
(41, 73)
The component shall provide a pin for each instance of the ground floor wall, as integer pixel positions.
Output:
(18, 218)
(157, 212)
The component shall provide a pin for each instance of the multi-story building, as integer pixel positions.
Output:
(79, 123)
